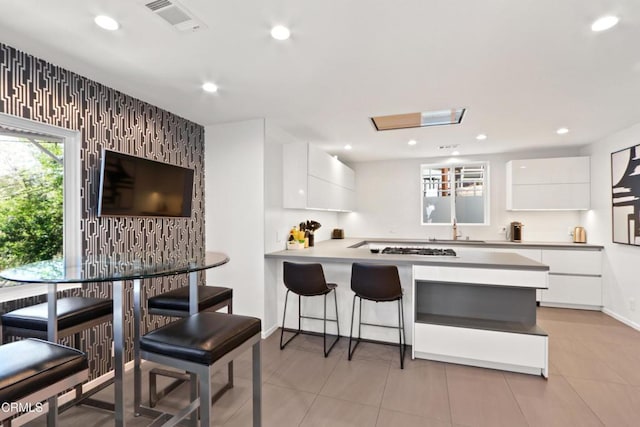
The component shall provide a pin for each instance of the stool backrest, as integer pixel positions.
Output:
(376, 282)
(304, 279)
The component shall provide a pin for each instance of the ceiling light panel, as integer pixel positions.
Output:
(106, 22)
(280, 32)
(451, 116)
(604, 23)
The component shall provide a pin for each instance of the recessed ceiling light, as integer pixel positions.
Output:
(412, 142)
(481, 137)
(455, 153)
(347, 147)
(335, 156)
(106, 22)
(604, 23)
(280, 32)
(210, 87)
(562, 131)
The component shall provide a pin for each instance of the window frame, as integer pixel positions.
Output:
(71, 204)
(452, 166)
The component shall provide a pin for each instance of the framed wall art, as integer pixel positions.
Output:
(625, 196)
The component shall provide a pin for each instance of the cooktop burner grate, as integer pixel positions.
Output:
(419, 251)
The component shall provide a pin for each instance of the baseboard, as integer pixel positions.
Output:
(622, 319)
(268, 332)
(69, 396)
(570, 306)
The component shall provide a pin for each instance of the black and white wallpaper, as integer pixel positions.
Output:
(37, 90)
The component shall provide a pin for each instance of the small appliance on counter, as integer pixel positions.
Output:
(337, 233)
(515, 231)
(579, 235)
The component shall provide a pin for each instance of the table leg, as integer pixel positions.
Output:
(193, 293)
(118, 345)
(52, 317)
(137, 373)
(52, 336)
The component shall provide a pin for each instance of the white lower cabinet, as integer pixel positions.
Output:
(491, 349)
(573, 290)
(575, 279)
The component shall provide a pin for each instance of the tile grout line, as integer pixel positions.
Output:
(524, 417)
(386, 381)
(446, 380)
(595, 414)
(306, 414)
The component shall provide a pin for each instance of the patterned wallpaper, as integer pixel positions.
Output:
(34, 89)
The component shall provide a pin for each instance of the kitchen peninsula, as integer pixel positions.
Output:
(476, 308)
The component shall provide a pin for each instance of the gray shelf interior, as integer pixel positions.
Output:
(467, 305)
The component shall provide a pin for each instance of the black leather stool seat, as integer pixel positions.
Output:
(33, 364)
(178, 299)
(71, 311)
(201, 338)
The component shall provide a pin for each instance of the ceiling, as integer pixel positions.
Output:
(521, 68)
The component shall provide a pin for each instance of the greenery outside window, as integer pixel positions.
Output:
(455, 192)
(52, 225)
(31, 203)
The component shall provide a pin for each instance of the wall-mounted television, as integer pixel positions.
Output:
(133, 186)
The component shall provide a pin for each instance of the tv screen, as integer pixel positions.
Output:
(133, 186)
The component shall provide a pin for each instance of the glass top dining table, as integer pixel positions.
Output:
(117, 269)
(108, 268)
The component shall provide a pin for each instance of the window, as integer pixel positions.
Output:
(50, 155)
(455, 192)
(31, 210)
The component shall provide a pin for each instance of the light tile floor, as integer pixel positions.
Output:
(594, 380)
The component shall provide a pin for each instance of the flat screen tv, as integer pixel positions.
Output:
(133, 186)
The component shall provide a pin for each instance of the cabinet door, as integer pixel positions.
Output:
(549, 197)
(322, 194)
(578, 290)
(294, 176)
(559, 170)
(573, 262)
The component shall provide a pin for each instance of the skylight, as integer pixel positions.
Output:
(451, 116)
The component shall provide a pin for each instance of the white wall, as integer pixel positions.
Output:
(234, 210)
(388, 202)
(620, 277)
(278, 221)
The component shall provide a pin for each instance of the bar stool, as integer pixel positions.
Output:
(307, 280)
(32, 371)
(201, 344)
(378, 283)
(175, 303)
(74, 315)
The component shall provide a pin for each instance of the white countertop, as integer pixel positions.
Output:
(342, 250)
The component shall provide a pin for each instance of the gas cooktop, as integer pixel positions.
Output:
(419, 251)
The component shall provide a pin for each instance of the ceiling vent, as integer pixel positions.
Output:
(176, 15)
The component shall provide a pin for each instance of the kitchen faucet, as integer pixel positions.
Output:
(455, 230)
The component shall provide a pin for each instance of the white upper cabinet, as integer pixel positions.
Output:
(561, 183)
(312, 179)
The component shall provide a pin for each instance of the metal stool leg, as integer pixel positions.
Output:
(205, 399)
(52, 415)
(400, 333)
(324, 332)
(257, 386)
(282, 346)
(353, 309)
